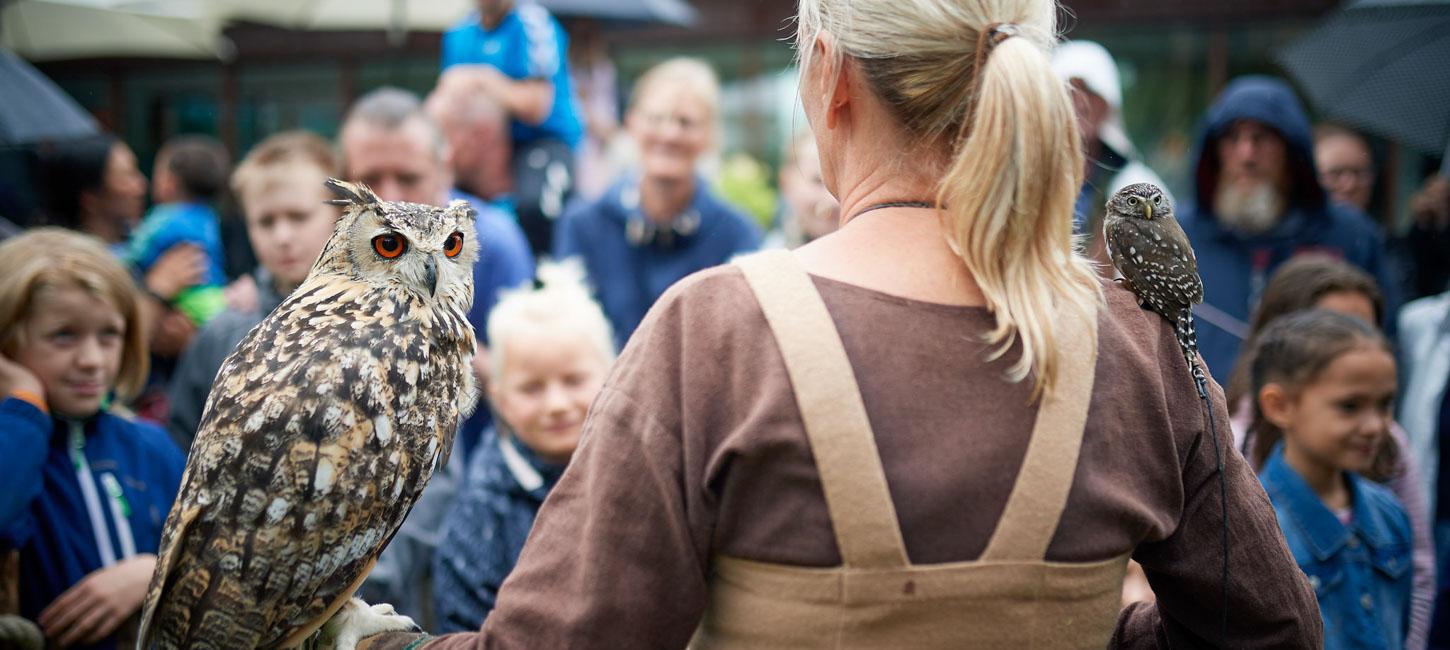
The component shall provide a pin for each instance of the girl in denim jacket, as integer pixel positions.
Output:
(1324, 387)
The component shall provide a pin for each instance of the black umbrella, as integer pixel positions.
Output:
(34, 109)
(672, 12)
(1383, 66)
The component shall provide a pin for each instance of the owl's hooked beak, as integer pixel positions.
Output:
(430, 275)
(1147, 210)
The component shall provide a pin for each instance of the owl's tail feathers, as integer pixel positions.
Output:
(1187, 335)
(173, 538)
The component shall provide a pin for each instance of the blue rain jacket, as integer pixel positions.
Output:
(1235, 267)
(76, 496)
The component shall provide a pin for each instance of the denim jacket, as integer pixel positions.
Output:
(1360, 573)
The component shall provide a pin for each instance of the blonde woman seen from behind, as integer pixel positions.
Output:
(933, 428)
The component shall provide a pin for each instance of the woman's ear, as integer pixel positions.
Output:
(632, 122)
(493, 390)
(834, 78)
(839, 104)
(1277, 405)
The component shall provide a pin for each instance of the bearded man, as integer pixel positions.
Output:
(1258, 202)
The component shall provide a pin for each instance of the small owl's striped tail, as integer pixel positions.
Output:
(1187, 335)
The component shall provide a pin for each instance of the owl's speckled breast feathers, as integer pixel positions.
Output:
(321, 431)
(1152, 252)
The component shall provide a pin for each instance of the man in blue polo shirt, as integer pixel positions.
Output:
(515, 52)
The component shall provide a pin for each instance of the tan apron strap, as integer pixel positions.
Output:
(859, 502)
(1040, 493)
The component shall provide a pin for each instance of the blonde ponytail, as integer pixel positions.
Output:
(1015, 158)
(1008, 198)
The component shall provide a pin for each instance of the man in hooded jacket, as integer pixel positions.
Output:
(1257, 202)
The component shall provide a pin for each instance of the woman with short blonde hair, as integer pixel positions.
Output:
(932, 428)
(660, 221)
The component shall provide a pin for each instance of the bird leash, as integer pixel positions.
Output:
(1201, 382)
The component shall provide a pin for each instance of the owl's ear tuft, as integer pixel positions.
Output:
(350, 193)
(461, 209)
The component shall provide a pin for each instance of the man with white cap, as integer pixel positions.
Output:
(1111, 157)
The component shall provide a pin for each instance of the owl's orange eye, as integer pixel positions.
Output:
(389, 246)
(453, 245)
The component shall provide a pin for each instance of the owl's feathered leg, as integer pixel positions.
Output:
(357, 620)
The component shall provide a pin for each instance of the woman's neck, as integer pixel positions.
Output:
(104, 227)
(868, 180)
(1326, 481)
(663, 199)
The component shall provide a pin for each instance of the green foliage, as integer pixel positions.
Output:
(746, 184)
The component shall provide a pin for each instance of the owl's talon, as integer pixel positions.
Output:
(357, 620)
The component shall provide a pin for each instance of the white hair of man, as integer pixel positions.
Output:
(390, 108)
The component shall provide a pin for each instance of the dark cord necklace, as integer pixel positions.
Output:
(893, 204)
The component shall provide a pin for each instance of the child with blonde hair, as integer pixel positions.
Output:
(552, 348)
(85, 491)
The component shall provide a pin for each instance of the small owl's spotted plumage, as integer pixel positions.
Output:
(321, 430)
(1149, 249)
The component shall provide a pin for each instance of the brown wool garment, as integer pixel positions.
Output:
(695, 448)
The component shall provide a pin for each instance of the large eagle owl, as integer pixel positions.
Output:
(320, 432)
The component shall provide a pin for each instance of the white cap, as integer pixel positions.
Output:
(1091, 64)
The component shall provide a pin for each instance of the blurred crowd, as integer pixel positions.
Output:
(115, 317)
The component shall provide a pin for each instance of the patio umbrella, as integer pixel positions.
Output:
(34, 108)
(436, 15)
(669, 12)
(47, 30)
(1382, 66)
(392, 15)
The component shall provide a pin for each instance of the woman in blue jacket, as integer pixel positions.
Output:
(83, 492)
(660, 223)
